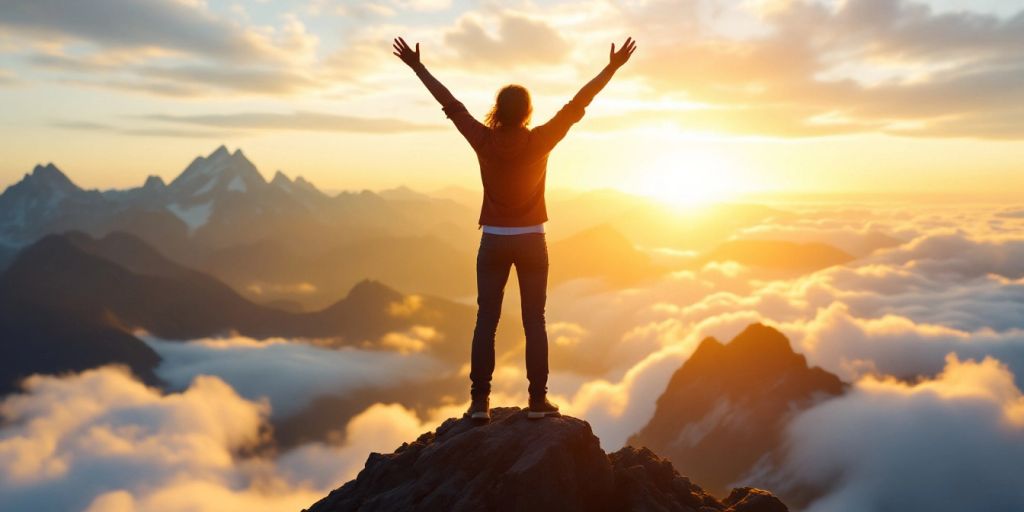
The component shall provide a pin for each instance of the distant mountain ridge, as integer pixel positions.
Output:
(779, 255)
(64, 299)
(285, 242)
(220, 202)
(217, 177)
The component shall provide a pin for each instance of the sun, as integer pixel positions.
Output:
(689, 179)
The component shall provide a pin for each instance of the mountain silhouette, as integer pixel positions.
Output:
(221, 205)
(425, 264)
(287, 243)
(120, 277)
(72, 302)
(723, 412)
(46, 200)
(779, 255)
(514, 464)
(601, 251)
(654, 224)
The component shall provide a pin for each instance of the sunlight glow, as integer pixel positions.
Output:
(688, 179)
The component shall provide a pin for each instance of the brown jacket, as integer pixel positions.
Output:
(513, 163)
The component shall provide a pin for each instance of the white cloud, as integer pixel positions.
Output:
(518, 40)
(956, 286)
(101, 441)
(898, 312)
(951, 443)
(381, 428)
(71, 439)
(293, 374)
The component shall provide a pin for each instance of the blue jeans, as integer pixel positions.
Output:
(529, 253)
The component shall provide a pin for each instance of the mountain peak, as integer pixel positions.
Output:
(710, 347)
(513, 463)
(221, 151)
(761, 338)
(51, 176)
(369, 290)
(221, 170)
(759, 349)
(300, 184)
(154, 181)
(402, 193)
(41, 169)
(735, 399)
(280, 179)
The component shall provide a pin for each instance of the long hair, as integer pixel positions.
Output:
(512, 108)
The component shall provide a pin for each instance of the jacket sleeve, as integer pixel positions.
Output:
(474, 131)
(553, 131)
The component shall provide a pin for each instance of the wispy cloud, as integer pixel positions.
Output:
(517, 40)
(893, 66)
(164, 47)
(125, 24)
(7, 78)
(312, 121)
(798, 68)
(142, 132)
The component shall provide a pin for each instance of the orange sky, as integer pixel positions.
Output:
(722, 97)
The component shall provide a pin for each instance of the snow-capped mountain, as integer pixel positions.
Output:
(218, 173)
(222, 188)
(45, 199)
(221, 205)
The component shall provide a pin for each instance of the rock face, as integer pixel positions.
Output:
(513, 464)
(723, 412)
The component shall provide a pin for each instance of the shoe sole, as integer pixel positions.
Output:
(536, 415)
(478, 416)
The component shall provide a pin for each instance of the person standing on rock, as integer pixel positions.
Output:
(513, 164)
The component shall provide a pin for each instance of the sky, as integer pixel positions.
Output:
(722, 97)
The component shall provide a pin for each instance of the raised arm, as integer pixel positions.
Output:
(615, 61)
(554, 130)
(412, 59)
(470, 128)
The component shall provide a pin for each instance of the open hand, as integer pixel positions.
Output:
(617, 58)
(408, 55)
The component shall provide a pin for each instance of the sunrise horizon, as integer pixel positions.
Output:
(520, 256)
(670, 192)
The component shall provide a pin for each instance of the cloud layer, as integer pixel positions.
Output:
(927, 322)
(101, 441)
(945, 444)
(306, 372)
(814, 68)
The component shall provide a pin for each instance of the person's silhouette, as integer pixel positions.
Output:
(513, 165)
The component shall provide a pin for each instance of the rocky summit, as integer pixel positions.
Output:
(516, 464)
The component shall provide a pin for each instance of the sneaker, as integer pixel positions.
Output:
(479, 409)
(541, 408)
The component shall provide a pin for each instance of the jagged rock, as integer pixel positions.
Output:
(513, 463)
(749, 499)
(724, 411)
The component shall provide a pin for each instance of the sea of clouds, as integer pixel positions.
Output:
(929, 332)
